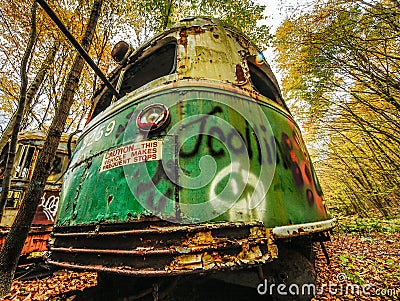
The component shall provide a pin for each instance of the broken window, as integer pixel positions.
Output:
(23, 161)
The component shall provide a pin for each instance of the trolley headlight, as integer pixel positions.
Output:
(153, 117)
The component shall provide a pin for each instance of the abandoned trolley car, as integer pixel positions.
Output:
(197, 167)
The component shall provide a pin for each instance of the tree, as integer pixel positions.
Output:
(13, 245)
(24, 106)
(15, 30)
(18, 115)
(32, 91)
(244, 15)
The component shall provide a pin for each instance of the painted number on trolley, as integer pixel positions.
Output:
(104, 130)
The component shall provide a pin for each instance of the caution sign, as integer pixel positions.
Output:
(134, 153)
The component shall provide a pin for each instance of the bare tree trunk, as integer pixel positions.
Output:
(33, 88)
(18, 115)
(30, 94)
(19, 231)
(168, 12)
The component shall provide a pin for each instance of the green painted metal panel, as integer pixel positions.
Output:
(225, 157)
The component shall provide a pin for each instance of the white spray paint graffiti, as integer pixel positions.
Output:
(246, 189)
(49, 206)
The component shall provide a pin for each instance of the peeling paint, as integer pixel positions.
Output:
(248, 253)
(241, 78)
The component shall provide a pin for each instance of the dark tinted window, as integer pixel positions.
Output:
(263, 84)
(159, 61)
(156, 65)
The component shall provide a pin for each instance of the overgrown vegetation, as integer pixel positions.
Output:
(340, 61)
(356, 224)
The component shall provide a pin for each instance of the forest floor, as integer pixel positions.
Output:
(363, 266)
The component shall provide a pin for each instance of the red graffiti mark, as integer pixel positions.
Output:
(109, 200)
(310, 197)
(306, 174)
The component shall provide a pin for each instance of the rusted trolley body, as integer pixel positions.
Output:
(199, 167)
(29, 146)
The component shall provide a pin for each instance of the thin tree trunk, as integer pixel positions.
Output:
(168, 12)
(32, 90)
(7, 133)
(19, 231)
(18, 115)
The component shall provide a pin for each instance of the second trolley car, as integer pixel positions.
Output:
(29, 145)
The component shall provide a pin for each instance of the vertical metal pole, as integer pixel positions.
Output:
(77, 46)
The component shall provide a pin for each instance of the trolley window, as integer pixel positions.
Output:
(23, 161)
(158, 64)
(58, 168)
(262, 83)
(155, 62)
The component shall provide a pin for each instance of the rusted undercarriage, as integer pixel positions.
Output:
(35, 242)
(157, 248)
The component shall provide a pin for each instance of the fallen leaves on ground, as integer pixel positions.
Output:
(51, 288)
(363, 267)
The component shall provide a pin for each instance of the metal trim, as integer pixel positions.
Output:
(174, 250)
(155, 229)
(133, 272)
(303, 229)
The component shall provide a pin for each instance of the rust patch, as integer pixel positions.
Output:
(196, 30)
(242, 41)
(161, 248)
(109, 200)
(248, 255)
(199, 239)
(250, 251)
(252, 255)
(183, 38)
(240, 76)
(186, 31)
